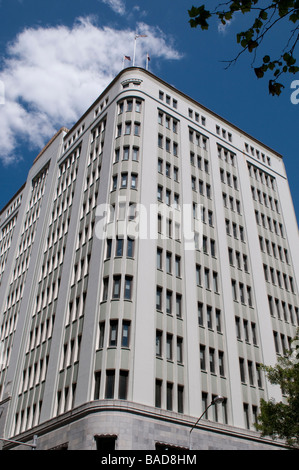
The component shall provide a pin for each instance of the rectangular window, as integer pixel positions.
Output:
(178, 266)
(159, 343)
(137, 128)
(128, 287)
(119, 247)
(113, 333)
(135, 154)
(202, 356)
(110, 381)
(179, 351)
(126, 153)
(212, 360)
(179, 305)
(200, 313)
(130, 247)
(105, 288)
(180, 399)
(123, 384)
(97, 378)
(125, 334)
(134, 177)
(159, 298)
(169, 388)
(158, 394)
(169, 347)
(116, 287)
(124, 180)
(169, 301)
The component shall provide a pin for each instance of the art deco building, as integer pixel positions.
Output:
(116, 330)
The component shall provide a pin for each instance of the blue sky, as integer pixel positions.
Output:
(56, 57)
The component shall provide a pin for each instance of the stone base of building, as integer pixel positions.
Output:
(108, 425)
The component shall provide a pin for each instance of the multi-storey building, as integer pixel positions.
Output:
(116, 330)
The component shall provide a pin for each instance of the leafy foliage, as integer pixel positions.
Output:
(281, 420)
(266, 17)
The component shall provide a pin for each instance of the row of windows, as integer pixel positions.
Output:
(197, 117)
(269, 223)
(129, 105)
(246, 332)
(204, 189)
(264, 198)
(119, 334)
(76, 308)
(197, 139)
(121, 247)
(128, 127)
(261, 176)
(168, 145)
(211, 361)
(209, 317)
(71, 352)
(125, 153)
(169, 122)
(201, 163)
(257, 153)
(224, 133)
(168, 99)
(171, 342)
(207, 278)
(34, 374)
(240, 259)
(237, 231)
(231, 203)
(98, 130)
(225, 155)
(229, 179)
(272, 249)
(127, 180)
(168, 390)
(277, 278)
(250, 373)
(110, 380)
(171, 171)
(281, 343)
(47, 296)
(172, 262)
(171, 300)
(169, 198)
(243, 294)
(74, 137)
(117, 287)
(282, 310)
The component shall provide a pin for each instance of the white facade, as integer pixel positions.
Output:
(88, 320)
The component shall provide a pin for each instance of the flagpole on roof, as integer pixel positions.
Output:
(136, 37)
(126, 57)
(147, 61)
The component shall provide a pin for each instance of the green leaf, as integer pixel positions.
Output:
(252, 45)
(259, 72)
(263, 15)
(266, 59)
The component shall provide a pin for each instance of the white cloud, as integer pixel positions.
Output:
(222, 28)
(52, 75)
(118, 6)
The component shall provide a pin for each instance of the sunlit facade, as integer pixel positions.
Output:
(119, 334)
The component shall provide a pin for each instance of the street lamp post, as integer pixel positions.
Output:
(217, 399)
